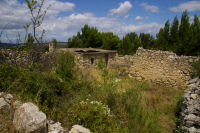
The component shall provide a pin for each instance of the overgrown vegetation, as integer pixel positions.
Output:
(196, 69)
(102, 100)
(182, 38)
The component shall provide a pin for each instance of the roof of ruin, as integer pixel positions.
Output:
(87, 50)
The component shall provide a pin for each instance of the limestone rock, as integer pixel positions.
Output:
(4, 106)
(191, 81)
(55, 128)
(16, 104)
(1, 93)
(27, 118)
(193, 130)
(194, 96)
(8, 98)
(79, 129)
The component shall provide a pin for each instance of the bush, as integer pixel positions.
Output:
(93, 115)
(196, 69)
(8, 75)
(65, 66)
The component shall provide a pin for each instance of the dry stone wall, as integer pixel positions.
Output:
(190, 109)
(161, 67)
(25, 58)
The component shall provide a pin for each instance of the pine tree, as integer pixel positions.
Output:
(110, 41)
(184, 34)
(166, 36)
(194, 45)
(174, 34)
(162, 41)
(130, 43)
(147, 40)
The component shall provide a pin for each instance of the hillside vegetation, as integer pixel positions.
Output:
(100, 99)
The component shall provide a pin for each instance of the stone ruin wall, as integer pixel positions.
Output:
(85, 60)
(160, 67)
(25, 58)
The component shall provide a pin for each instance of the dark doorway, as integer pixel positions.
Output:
(92, 60)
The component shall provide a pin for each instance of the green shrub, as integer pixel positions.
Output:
(94, 115)
(196, 69)
(8, 75)
(65, 66)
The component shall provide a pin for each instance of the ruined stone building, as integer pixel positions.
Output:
(90, 56)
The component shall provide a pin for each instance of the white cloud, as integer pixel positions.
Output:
(62, 27)
(142, 27)
(151, 8)
(138, 18)
(141, 18)
(189, 6)
(59, 6)
(122, 10)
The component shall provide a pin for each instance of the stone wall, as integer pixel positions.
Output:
(190, 109)
(161, 67)
(106, 57)
(25, 58)
(89, 57)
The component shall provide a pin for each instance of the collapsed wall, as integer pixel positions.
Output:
(161, 67)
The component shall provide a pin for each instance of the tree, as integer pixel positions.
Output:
(89, 37)
(184, 34)
(160, 39)
(163, 37)
(130, 44)
(75, 42)
(110, 41)
(174, 34)
(194, 44)
(147, 40)
(37, 16)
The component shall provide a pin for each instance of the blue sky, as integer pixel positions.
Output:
(66, 17)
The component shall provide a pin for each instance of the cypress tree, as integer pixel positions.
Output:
(184, 34)
(166, 35)
(174, 34)
(194, 45)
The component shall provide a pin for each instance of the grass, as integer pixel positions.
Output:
(74, 96)
(166, 101)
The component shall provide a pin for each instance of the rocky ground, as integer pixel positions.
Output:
(26, 117)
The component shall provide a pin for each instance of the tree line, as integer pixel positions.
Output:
(181, 37)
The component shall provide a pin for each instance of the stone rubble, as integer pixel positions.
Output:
(79, 129)
(26, 118)
(190, 110)
(55, 127)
